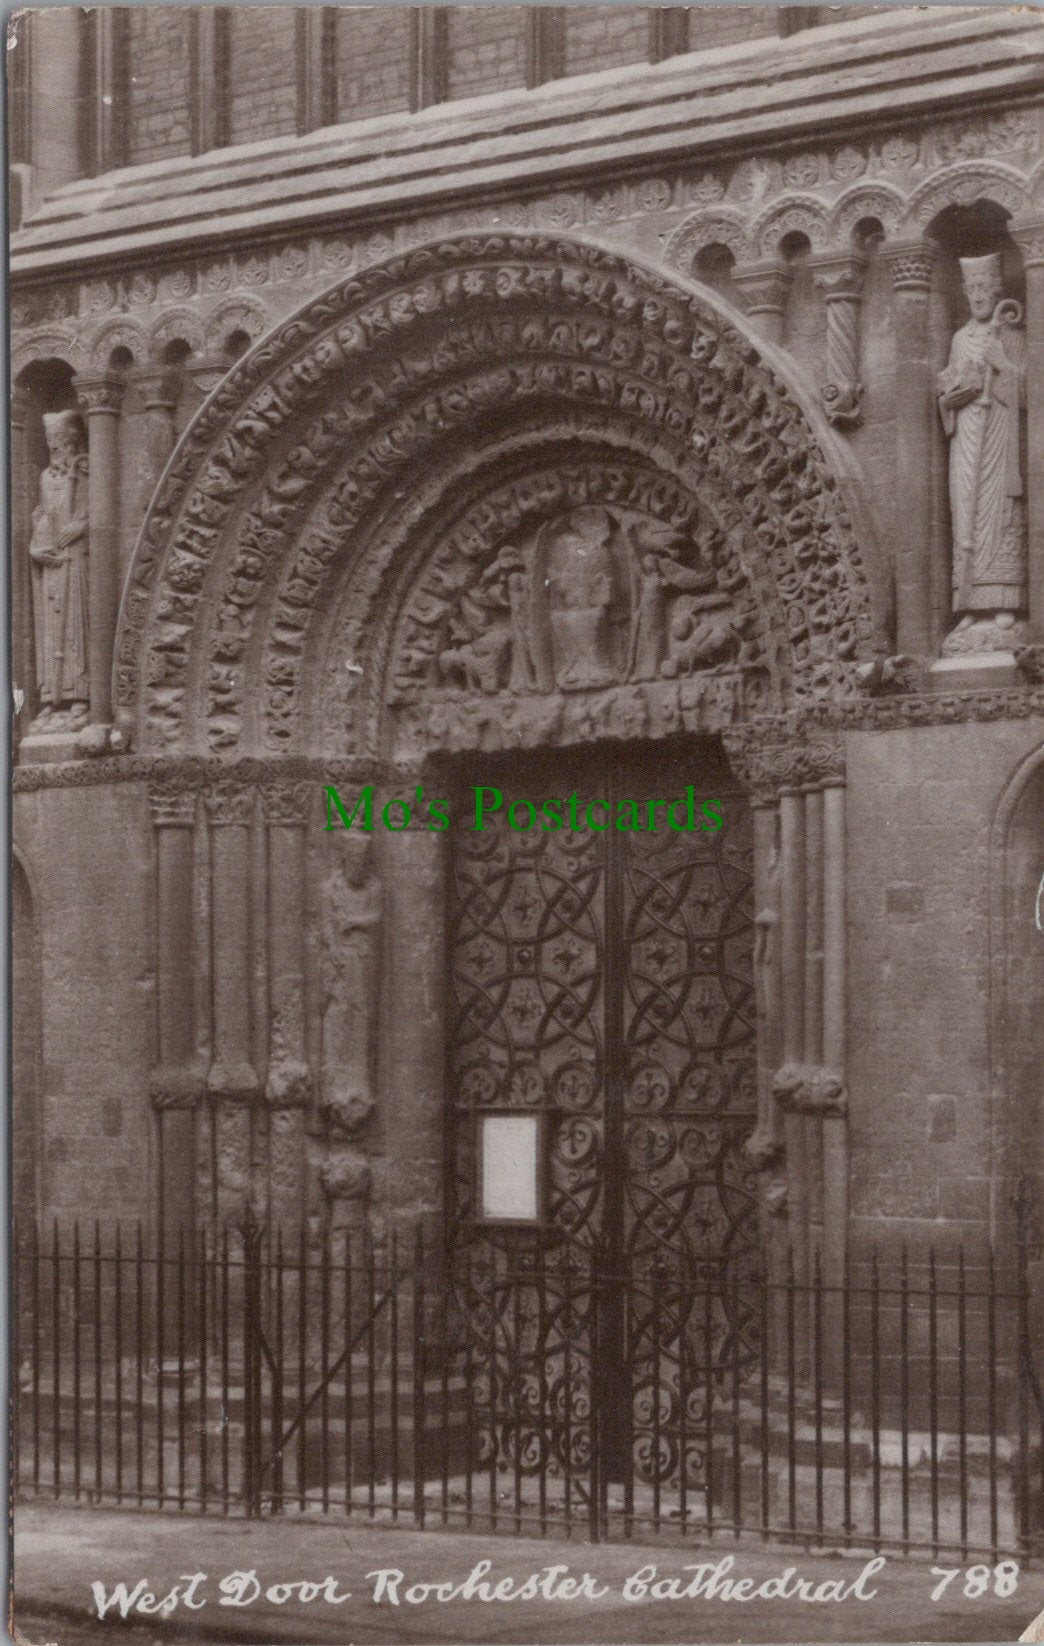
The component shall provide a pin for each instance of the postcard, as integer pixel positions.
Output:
(527, 885)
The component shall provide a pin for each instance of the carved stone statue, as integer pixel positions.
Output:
(58, 552)
(351, 930)
(981, 393)
(580, 584)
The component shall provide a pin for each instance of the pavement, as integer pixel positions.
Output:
(251, 1583)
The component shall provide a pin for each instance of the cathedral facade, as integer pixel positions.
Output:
(591, 401)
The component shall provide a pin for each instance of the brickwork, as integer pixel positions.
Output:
(605, 37)
(263, 73)
(372, 61)
(486, 49)
(159, 50)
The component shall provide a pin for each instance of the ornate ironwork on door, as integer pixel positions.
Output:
(602, 983)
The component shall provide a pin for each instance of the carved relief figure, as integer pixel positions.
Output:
(351, 930)
(981, 393)
(58, 552)
(580, 585)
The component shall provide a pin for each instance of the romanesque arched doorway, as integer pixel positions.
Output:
(507, 497)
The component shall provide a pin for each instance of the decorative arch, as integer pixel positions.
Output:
(962, 185)
(354, 479)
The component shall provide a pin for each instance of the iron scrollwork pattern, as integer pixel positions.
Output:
(604, 980)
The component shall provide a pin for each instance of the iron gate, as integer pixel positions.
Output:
(602, 979)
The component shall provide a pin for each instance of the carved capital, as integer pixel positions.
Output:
(838, 275)
(769, 770)
(1028, 234)
(20, 403)
(100, 395)
(806, 1088)
(159, 389)
(287, 803)
(172, 806)
(1029, 662)
(911, 263)
(228, 803)
(764, 285)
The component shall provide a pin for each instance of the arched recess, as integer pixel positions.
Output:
(312, 547)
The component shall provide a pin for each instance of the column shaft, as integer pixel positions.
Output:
(289, 1083)
(916, 425)
(23, 663)
(232, 1081)
(1031, 239)
(102, 398)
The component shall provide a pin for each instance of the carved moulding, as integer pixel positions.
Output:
(678, 347)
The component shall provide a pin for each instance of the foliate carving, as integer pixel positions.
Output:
(58, 557)
(767, 770)
(981, 394)
(172, 806)
(228, 802)
(101, 395)
(289, 804)
(807, 1088)
(351, 978)
(1028, 235)
(911, 263)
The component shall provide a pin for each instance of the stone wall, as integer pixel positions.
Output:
(927, 1117)
(159, 50)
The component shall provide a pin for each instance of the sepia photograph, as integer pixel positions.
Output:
(526, 885)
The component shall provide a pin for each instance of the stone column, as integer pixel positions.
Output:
(792, 919)
(912, 263)
(176, 1082)
(764, 286)
(102, 398)
(23, 659)
(160, 391)
(412, 1008)
(289, 1085)
(839, 276)
(835, 1119)
(232, 1081)
(1028, 234)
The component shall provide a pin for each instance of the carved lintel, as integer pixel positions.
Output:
(345, 1175)
(287, 804)
(179, 1087)
(807, 1088)
(911, 263)
(228, 803)
(172, 806)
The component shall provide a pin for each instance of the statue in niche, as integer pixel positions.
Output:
(580, 583)
(351, 931)
(58, 553)
(981, 393)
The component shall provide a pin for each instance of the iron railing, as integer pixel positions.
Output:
(250, 1373)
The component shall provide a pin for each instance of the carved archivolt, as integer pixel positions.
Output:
(962, 185)
(118, 334)
(714, 227)
(177, 323)
(867, 200)
(794, 213)
(247, 314)
(354, 463)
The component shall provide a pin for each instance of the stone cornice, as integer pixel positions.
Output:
(891, 68)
